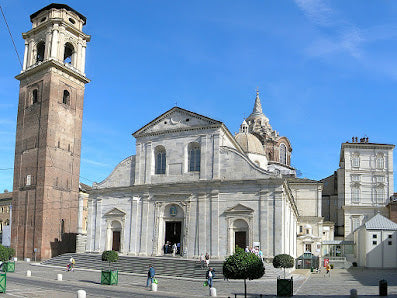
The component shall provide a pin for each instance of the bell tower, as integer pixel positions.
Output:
(48, 134)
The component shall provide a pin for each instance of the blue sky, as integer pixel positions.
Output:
(326, 71)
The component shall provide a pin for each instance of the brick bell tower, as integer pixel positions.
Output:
(48, 135)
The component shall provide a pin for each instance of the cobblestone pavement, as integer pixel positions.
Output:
(43, 283)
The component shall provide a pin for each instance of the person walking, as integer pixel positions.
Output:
(328, 268)
(210, 275)
(207, 259)
(174, 249)
(150, 275)
(71, 264)
(202, 260)
(260, 254)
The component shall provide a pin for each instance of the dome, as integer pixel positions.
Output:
(249, 143)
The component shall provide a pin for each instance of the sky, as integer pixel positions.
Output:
(325, 70)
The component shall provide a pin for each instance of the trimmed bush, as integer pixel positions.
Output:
(283, 261)
(110, 256)
(243, 265)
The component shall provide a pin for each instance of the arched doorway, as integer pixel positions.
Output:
(241, 232)
(115, 227)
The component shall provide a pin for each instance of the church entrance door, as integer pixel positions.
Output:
(116, 241)
(173, 233)
(240, 239)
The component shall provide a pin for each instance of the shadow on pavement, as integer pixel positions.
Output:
(90, 281)
(371, 277)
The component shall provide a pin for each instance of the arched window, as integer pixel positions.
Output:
(68, 54)
(35, 96)
(194, 157)
(380, 162)
(160, 155)
(66, 97)
(355, 194)
(283, 154)
(40, 51)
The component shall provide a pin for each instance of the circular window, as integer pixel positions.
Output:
(71, 20)
(43, 19)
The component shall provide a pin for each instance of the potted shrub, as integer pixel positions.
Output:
(243, 265)
(8, 265)
(285, 287)
(110, 276)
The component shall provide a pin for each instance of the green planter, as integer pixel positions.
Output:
(285, 287)
(3, 279)
(8, 266)
(109, 277)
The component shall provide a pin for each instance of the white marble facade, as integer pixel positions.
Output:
(191, 175)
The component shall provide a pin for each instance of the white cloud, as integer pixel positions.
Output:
(317, 11)
(95, 163)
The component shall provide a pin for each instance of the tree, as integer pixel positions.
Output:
(283, 261)
(243, 265)
(110, 256)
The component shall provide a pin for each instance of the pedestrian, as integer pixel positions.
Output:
(210, 275)
(174, 249)
(150, 275)
(178, 245)
(328, 268)
(202, 260)
(70, 266)
(247, 249)
(260, 254)
(207, 259)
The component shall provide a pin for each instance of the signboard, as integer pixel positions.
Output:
(6, 240)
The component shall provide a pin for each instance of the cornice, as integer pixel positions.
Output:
(52, 63)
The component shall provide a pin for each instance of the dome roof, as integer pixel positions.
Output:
(249, 143)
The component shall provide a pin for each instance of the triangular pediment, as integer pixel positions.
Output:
(115, 213)
(239, 208)
(174, 120)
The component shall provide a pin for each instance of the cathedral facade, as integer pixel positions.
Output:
(193, 183)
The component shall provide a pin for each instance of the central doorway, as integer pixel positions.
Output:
(240, 239)
(173, 233)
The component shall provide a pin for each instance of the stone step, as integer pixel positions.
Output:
(166, 266)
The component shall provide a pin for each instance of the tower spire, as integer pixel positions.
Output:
(257, 107)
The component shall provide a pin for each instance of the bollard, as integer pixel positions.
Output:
(27, 260)
(353, 293)
(28, 273)
(213, 292)
(81, 294)
(383, 287)
(59, 276)
(154, 287)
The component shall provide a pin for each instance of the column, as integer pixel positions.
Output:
(131, 226)
(262, 215)
(98, 224)
(144, 226)
(148, 162)
(203, 157)
(215, 223)
(216, 157)
(25, 56)
(54, 44)
(80, 215)
(91, 225)
(47, 45)
(30, 54)
(202, 223)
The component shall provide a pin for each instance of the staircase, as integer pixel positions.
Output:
(165, 266)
